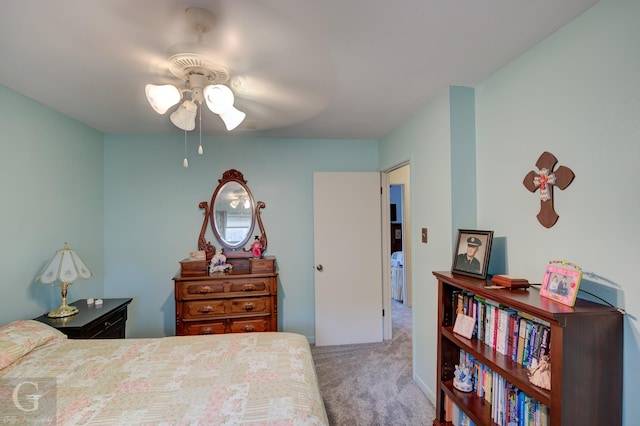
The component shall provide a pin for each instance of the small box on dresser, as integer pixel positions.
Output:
(194, 268)
(238, 301)
(265, 264)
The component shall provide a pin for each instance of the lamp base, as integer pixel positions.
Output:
(63, 311)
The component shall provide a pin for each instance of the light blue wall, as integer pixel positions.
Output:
(577, 95)
(463, 159)
(425, 141)
(51, 192)
(152, 219)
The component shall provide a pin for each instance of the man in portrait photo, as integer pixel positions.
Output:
(467, 261)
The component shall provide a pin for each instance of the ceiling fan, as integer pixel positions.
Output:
(203, 81)
(262, 73)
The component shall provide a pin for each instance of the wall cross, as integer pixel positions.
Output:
(545, 180)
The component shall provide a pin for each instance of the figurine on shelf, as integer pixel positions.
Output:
(256, 248)
(540, 373)
(462, 379)
(219, 263)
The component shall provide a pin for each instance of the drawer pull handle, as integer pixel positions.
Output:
(248, 287)
(204, 290)
(207, 330)
(249, 307)
(206, 309)
(107, 324)
(248, 328)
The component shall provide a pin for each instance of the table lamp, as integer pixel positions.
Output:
(65, 267)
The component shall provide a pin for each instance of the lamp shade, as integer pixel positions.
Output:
(161, 98)
(65, 266)
(185, 116)
(232, 118)
(219, 98)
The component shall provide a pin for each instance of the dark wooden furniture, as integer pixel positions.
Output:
(240, 301)
(586, 356)
(92, 321)
(396, 237)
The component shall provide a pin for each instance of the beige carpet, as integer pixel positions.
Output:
(371, 384)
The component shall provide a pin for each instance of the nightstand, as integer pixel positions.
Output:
(92, 321)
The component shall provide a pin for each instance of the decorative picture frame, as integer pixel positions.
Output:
(471, 253)
(561, 282)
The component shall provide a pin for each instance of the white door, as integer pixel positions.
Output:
(348, 257)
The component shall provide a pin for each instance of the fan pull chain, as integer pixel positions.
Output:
(200, 150)
(185, 163)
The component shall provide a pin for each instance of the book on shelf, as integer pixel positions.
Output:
(513, 348)
(448, 408)
(487, 382)
(527, 343)
(480, 320)
(544, 341)
(532, 344)
(522, 333)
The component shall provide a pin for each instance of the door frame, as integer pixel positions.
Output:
(386, 248)
(387, 332)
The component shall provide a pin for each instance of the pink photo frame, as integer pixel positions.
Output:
(561, 282)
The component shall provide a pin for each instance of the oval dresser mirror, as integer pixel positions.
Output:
(233, 215)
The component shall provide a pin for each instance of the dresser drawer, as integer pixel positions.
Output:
(250, 325)
(223, 326)
(249, 305)
(110, 326)
(230, 286)
(211, 327)
(203, 308)
(196, 309)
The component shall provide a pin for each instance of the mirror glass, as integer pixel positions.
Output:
(232, 214)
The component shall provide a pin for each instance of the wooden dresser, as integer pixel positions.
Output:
(240, 301)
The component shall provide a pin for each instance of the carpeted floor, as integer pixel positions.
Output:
(371, 384)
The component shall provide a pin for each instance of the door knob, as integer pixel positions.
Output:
(319, 268)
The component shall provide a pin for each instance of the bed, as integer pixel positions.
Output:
(397, 276)
(230, 379)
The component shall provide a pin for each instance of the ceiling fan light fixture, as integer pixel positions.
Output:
(232, 118)
(219, 98)
(185, 116)
(161, 98)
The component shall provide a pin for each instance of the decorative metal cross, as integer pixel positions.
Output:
(546, 179)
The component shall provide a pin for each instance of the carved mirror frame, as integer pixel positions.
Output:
(238, 249)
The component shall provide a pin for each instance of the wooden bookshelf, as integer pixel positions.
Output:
(586, 356)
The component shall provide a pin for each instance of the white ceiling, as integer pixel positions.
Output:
(346, 69)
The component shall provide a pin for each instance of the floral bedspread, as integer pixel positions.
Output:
(231, 379)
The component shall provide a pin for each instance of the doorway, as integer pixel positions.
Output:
(400, 233)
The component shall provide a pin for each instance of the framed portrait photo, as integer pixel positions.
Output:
(471, 253)
(561, 282)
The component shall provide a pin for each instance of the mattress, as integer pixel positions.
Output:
(230, 379)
